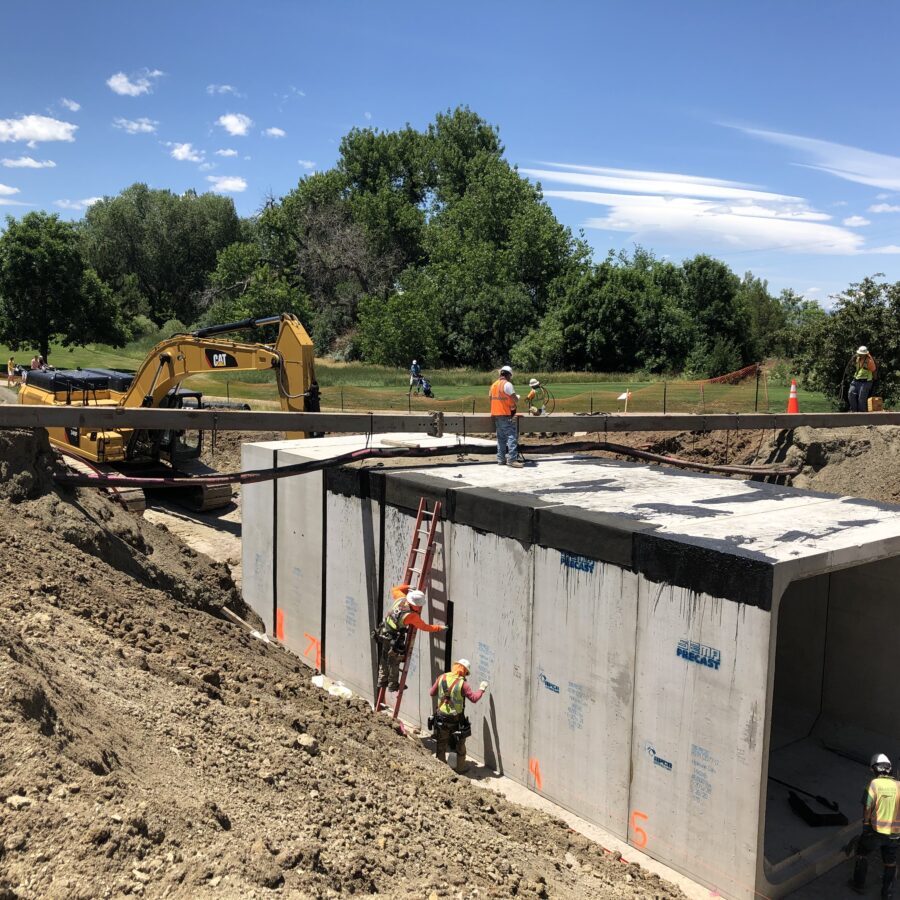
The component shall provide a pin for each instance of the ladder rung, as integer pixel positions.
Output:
(420, 550)
(416, 571)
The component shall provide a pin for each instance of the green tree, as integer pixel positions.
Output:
(766, 318)
(157, 248)
(867, 313)
(46, 291)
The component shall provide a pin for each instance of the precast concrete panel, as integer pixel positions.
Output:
(351, 585)
(258, 535)
(584, 624)
(299, 534)
(699, 728)
(491, 580)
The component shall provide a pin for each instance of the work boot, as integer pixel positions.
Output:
(516, 464)
(859, 874)
(461, 765)
(441, 756)
(394, 686)
(887, 881)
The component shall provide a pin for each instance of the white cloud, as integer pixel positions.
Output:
(5, 202)
(274, 132)
(205, 167)
(227, 184)
(684, 208)
(236, 124)
(855, 221)
(307, 164)
(35, 129)
(136, 126)
(368, 115)
(7, 191)
(841, 160)
(813, 290)
(70, 105)
(186, 153)
(884, 208)
(882, 196)
(78, 204)
(222, 89)
(228, 152)
(26, 162)
(120, 83)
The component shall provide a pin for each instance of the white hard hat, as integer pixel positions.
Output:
(506, 370)
(465, 664)
(880, 763)
(863, 350)
(415, 361)
(534, 383)
(416, 598)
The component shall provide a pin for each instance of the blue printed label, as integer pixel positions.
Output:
(542, 678)
(699, 653)
(573, 561)
(657, 760)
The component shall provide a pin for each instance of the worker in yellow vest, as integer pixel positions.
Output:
(863, 378)
(881, 826)
(393, 632)
(450, 722)
(503, 411)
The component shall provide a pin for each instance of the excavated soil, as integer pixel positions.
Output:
(153, 748)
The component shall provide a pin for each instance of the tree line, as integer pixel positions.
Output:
(417, 243)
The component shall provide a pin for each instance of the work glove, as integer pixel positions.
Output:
(483, 686)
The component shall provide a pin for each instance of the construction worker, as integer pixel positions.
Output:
(503, 411)
(452, 691)
(394, 631)
(532, 398)
(863, 378)
(881, 826)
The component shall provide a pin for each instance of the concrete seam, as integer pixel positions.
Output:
(275, 546)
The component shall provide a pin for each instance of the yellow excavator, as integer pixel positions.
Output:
(156, 384)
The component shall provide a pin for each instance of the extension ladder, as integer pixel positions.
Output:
(418, 567)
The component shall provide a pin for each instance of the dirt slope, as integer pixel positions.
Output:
(152, 748)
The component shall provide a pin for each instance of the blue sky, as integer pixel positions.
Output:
(764, 133)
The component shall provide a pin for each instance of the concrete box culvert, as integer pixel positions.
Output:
(658, 643)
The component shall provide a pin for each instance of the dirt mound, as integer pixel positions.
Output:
(152, 748)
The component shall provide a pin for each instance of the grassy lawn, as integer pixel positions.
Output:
(359, 386)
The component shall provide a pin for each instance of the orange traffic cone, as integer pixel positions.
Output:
(793, 405)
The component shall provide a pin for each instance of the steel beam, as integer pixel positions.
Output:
(102, 418)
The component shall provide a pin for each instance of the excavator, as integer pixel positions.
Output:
(157, 384)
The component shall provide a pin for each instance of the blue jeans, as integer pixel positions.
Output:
(858, 396)
(507, 438)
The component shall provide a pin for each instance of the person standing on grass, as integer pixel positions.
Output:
(10, 371)
(415, 374)
(863, 378)
(503, 411)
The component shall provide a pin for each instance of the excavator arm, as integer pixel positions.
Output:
(203, 351)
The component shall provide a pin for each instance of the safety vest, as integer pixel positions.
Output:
(452, 702)
(396, 618)
(864, 373)
(883, 805)
(502, 404)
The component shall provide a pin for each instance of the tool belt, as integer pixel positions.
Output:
(397, 638)
(459, 727)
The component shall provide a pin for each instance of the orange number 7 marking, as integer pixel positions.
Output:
(640, 836)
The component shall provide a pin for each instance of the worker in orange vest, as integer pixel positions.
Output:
(503, 411)
(393, 632)
(450, 722)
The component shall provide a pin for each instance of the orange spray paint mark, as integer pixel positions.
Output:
(279, 624)
(535, 768)
(314, 644)
(640, 836)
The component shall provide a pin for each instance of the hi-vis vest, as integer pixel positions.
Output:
(450, 691)
(501, 404)
(396, 618)
(883, 805)
(864, 373)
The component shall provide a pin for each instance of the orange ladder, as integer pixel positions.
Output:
(418, 566)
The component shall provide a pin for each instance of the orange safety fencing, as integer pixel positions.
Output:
(743, 391)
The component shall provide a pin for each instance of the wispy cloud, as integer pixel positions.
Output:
(236, 124)
(275, 132)
(70, 105)
(134, 86)
(729, 214)
(186, 153)
(226, 152)
(78, 204)
(307, 164)
(368, 116)
(136, 126)
(884, 208)
(227, 184)
(36, 129)
(855, 221)
(223, 89)
(7, 191)
(841, 160)
(26, 162)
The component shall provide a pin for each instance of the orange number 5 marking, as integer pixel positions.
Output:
(640, 836)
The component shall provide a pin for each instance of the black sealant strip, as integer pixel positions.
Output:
(275, 546)
(324, 608)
